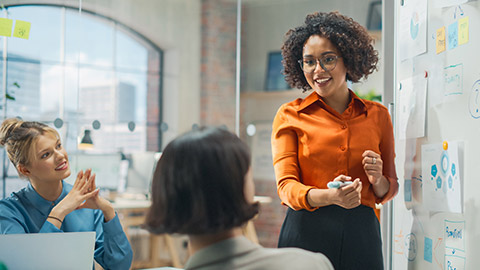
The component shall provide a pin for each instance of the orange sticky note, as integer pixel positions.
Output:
(22, 29)
(463, 31)
(441, 42)
(6, 27)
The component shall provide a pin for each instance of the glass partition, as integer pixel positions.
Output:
(263, 90)
(138, 74)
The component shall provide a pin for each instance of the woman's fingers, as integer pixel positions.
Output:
(359, 186)
(91, 182)
(342, 178)
(86, 183)
(370, 157)
(352, 194)
(78, 180)
(88, 172)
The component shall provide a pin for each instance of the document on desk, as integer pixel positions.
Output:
(51, 251)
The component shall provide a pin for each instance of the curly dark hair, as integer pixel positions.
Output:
(349, 37)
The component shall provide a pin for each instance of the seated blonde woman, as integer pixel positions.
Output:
(50, 205)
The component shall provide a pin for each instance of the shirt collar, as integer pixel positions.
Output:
(41, 204)
(314, 97)
(220, 251)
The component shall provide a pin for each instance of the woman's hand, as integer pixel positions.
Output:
(373, 166)
(348, 196)
(76, 197)
(97, 202)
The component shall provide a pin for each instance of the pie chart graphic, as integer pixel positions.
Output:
(414, 25)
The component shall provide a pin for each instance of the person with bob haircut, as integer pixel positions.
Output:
(203, 187)
(334, 136)
(50, 205)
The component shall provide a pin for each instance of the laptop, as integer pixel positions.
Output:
(51, 251)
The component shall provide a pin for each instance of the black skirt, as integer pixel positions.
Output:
(350, 238)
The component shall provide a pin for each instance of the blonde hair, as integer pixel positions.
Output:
(18, 138)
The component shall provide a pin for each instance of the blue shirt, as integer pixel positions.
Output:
(26, 211)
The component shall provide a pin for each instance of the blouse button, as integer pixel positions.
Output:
(344, 127)
(342, 148)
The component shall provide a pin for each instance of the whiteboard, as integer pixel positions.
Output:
(436, 214)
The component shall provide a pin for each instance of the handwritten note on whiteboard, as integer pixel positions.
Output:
(453, 75)
(440, 41)
(452, 42)
(454, 235)
(463, 31)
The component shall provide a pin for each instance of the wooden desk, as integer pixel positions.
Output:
(133, 212)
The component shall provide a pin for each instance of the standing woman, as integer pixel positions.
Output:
(332, 135)
(50, 205)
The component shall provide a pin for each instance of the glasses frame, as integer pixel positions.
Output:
(319, 61)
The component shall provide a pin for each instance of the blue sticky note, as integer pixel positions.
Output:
(452, 37)
(427, 251)
(408, 190)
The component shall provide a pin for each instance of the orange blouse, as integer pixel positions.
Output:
(312, 144)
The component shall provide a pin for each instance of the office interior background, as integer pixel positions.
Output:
(131, 75)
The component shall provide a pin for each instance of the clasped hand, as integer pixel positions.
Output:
(348, 196)
(84, 194)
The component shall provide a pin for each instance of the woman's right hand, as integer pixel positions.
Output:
(77, 196)
(348, 196)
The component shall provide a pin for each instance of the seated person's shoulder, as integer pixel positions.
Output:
(297, 258)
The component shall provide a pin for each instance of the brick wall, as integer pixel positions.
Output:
(270, 219)
(218, 65)
(153, 102)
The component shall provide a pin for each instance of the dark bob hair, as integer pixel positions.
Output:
(198, 184)
(350, 38)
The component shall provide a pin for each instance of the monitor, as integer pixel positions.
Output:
(140, 171)
(105, 166)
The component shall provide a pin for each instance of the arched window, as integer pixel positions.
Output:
(82, 67)
(88, 71)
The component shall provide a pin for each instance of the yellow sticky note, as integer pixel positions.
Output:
(440, 40)
(6, 27)
(22, 29)
(463, 31)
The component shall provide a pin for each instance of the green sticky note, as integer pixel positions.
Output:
(22, 29)
(6, 27)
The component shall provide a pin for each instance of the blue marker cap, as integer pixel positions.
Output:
(338, 184)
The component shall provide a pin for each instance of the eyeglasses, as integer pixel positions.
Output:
(327, 62)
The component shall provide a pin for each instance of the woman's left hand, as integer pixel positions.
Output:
(373, 166)
(97, 202)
